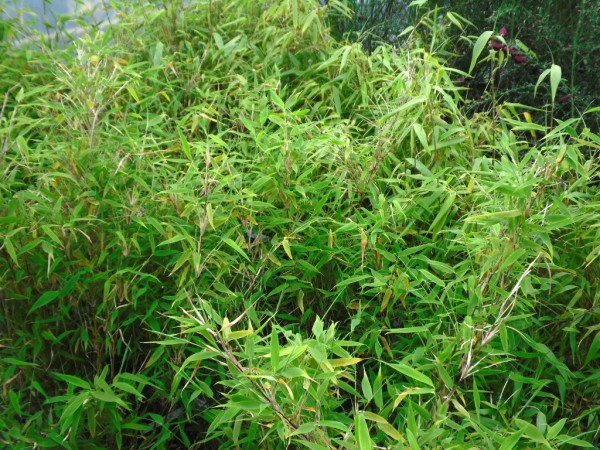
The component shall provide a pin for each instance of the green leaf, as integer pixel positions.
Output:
(402, 109)
(531, 431)
(136, 426)
(309, 444)
(133, 93)
(555, 78)
(378, 390)
(196, 357)
(73, 380)
(431, 277)
(345, 54)
(234, 335)
(363, 439)
(69, 286)
(218, 40)
(10, 249)
(440, 219)
(126, 387)
(185, 145)
(412, 373)
(594, 350)
(543, 75)
(236, 247)
(412, 440)
(18, 362)
(333, 424)
(354, 279)
(480, 44)
(9, 220)
(392, 432)
(512, 258)
(277, 100)
(44, 299)
(574, 441)
(510, 442)
(176, 238)
(109, 397)
(421, 135)
(408, 330)
(305, 428)
(494, 216)
(72, 409)
(274, 350)
(51, 234)
(286, 246)
(158, 54)
(366, 387)
(447, 379)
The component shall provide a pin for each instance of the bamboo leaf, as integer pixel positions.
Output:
(341, 362)
(236, 247)
(363, 439)
(286, 247)
(73, 380)
(185, 145)
(555, 78)
(440, 219)
(274, 350)
(10, 249)
(46, 298)
(480, 44)
(412, 373)
(234, 335)
(367, 389)
(543, 75)
(158, 54)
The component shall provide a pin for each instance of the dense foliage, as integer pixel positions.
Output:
(222, 227)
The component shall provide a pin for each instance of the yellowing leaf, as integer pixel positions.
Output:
(239, 334)
(410, 391)
(496, 215)
(384, 425)
(339, 362)
(286, 247)
(528, 119)
(391, 431)
(386, 299)
(374, 417)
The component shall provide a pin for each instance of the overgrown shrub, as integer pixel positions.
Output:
(221, 227)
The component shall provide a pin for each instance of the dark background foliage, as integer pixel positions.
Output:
(563, 32)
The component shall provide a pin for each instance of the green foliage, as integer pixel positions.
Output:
(221, 227)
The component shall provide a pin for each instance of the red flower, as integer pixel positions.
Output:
(518, 59)
(498, 46)
(565, 98)
(513, 51)
(503, 32)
